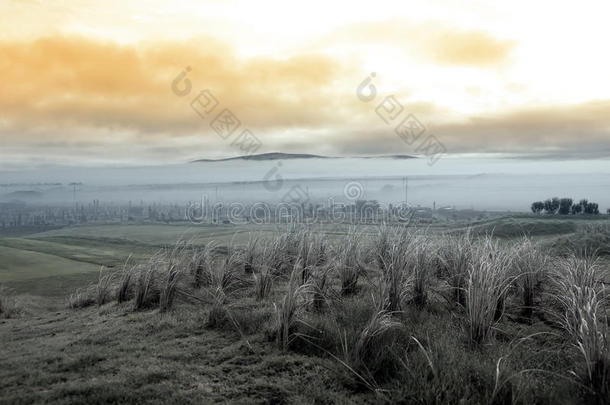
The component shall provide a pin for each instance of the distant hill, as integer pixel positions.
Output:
(389, 157)
(266, 156)
(284, 156)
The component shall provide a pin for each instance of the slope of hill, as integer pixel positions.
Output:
(280, 155)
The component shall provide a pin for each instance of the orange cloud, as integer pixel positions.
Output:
(95, 96)
(67, 82)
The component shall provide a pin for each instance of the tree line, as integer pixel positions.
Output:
(565, 206)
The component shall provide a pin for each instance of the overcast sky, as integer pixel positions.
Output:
(90, 82)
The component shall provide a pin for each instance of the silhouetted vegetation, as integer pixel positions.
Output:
(565, 206)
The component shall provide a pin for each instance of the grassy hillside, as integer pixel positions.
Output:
(378, 316)
(115, 356)
(17, 264)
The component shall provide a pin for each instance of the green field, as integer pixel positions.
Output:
(54, 263)
(20, 265)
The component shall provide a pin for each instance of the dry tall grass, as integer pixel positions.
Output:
(312, 252)
(319, 281)
(82, 298)
(170, 283)
(147, 289)
(8, 303)
(251, 253)
(202, 264)
(584, 302)
(277, 254)
(104, 288)
(363, 333)
(531, 266)
(226, 279)
(263, 282)
(289, 311)
(407, 267)
(382, 246)
(125, 288)
(367, 355)
(348, 263)
(395, 285)
(455, 254)
(421, 266)
(489, 279)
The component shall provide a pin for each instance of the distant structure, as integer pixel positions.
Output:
(74, 185)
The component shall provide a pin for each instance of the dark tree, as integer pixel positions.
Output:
(551, 205)
(565, 205)
(576, 209)
(548, 205)
(583, 205)
(555, 204)
(592, 209)
(537, 207)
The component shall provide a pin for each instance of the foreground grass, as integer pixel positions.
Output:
(112, 354)
(116, 356)
(203, 326)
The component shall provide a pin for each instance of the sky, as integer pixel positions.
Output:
(98, 83)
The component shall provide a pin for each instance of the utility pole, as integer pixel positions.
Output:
(74, 184)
